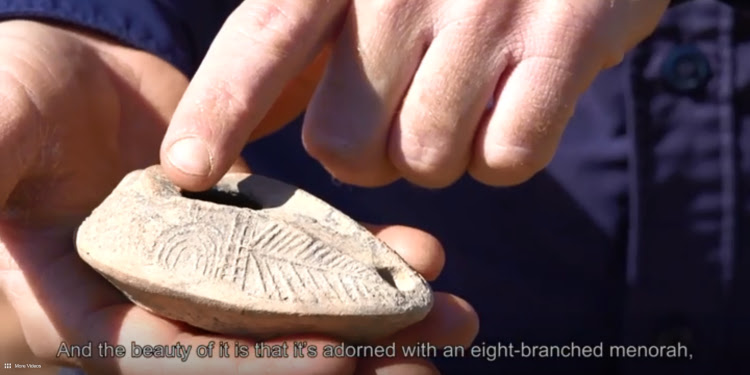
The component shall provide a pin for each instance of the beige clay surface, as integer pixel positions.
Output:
(253, 256)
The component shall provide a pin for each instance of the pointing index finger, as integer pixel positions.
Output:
(262, 45)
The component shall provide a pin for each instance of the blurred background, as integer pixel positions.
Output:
(13, 348)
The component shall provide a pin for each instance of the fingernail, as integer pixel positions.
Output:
(190, 155)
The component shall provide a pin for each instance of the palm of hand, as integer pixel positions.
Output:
(79, 114)
(71, 134)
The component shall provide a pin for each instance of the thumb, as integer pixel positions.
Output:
(261, 47)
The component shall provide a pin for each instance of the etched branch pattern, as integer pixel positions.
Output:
(267, 259)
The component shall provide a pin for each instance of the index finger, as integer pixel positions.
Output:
(262, 45)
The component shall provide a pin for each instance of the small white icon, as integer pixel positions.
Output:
(6, 366)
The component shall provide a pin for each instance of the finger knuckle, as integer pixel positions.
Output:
(430, 142)
(432, 164)
(350, 160)
(270, 26)
(508, 165)
(223, 97)
(326, 146)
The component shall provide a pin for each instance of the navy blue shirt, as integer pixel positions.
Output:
(637, 233)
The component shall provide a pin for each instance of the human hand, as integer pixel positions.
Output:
(77, 116)
(425, 90)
